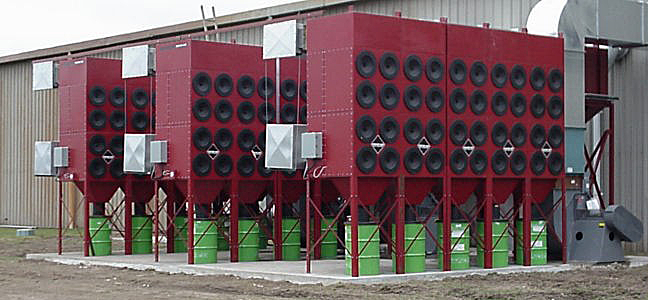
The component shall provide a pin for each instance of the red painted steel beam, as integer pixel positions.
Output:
(128, 218)
(447, 234)
(317, 219)
(86, 220)
(60, 217)
(156, 221)
(354, 226)
(488, 224)
(611, 155)
(308, 243)
(278, 215)
(190, 220)
(400, 226)
(526, 221)
(234, 220)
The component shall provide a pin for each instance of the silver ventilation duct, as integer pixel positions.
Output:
(619, 22)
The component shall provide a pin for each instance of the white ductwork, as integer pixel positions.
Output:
(619, 22)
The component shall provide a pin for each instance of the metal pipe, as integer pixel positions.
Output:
(308, 243)
(60, 216)
(611, 155)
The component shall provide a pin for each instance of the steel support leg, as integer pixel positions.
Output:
(128, 217)
(86, 220)
(526, 222)
(190, 222)
(317, 220)
(488, 224)
(400, 226)
(234, 221)
(354, 226)
(447, 234)
(60, 217)
(278, 216)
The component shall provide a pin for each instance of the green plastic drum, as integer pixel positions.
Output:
(328, 248)
(460, 255)
(142, 228)
(414, 247)
(291, 239)
(538, 243)
(206, 240)
(248, 241)
(500, 239)
(180, 240)
(100, 243)
(369, 258)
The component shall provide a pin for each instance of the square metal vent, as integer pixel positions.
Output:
(61, 157)
(44, 158)
(44, 75)
(137, 154)
(137, 61)
(159, 152)
(311, 145)
(280, 39)
(283, 146)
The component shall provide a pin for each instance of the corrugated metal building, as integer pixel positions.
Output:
(29, 116)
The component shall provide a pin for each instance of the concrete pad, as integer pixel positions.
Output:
(323, 271)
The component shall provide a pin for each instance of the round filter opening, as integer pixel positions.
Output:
(413, 130)
(224, 85)
(458, 161)
(289, 89)
(555, 163)
(223, 138)
(434, 132)
(140, 121)
(518, 162)
(97, 119)
(389, 65)
(413, 68)
(413, 98)
(499, 162)
(499, 134)
(223, 110)
(555, 80)
(246, 112)
(245, 165)
(434, 70)
(266, 88)
(555, 107)
(223, 165)
(555, 136)
(478, 133)
(537, 106)
(537, 78)
(478, 73)
(97, 144)
(478, 102)
(201, 165)
(117, 144)
(366, 128)
(201, 84)
(458, 132)
(97, 168)
(366, 94)
(518, 77)
(97, 96)
(518, 135)
(413, 161)
(434, 99)
(288, 114)
(366, 160)
(202, 138)
(478, 162)
(389, 95)
(538, 136)
(538, 163)
(366, 64)
(246, 139)
(499, 76)
(201, 110)
(458, 71)
(140, 98)
(117, 120)
(458, 101)
(518, 105)
(266, 113)
(434, 161)
(389, 160)
(389, 130)
(245, 86)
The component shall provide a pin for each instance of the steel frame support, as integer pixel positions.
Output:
(128, 217)
(400, 226)
(234, 221)
(190, 222)
(488, 223)
(278, 216)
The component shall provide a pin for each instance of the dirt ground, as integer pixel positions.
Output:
(26, 279)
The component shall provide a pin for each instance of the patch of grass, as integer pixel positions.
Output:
(10, 233)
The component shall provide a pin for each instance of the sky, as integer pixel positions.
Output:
(35, 24)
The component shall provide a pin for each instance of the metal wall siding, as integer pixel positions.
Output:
(627, 81)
